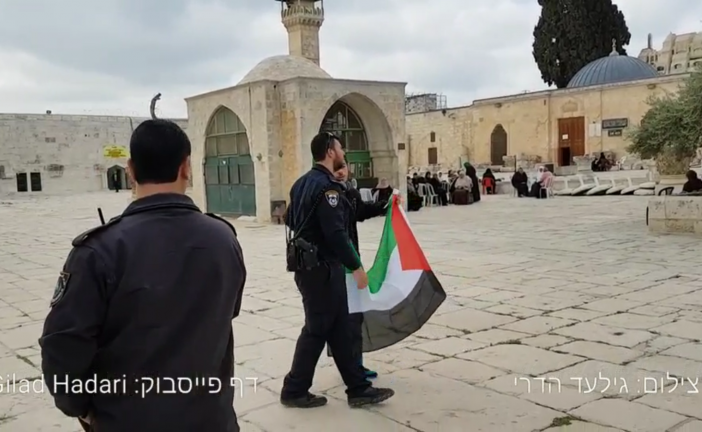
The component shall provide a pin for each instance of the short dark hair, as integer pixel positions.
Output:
(321, 144)
(157, 149)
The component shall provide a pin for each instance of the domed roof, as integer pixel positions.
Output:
(284, 67)
(612, 69)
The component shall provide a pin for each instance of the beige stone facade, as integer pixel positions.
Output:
(282, 103)
(531, 122)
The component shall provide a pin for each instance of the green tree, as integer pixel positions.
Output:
(573, 33)
(671, 130)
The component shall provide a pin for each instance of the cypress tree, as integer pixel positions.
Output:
(573, 33)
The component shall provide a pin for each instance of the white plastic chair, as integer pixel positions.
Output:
(432, 197)
(366, 195)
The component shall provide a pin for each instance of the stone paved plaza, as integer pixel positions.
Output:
(563, 315)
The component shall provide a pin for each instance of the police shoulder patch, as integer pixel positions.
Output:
(332, 197)
(60, 288)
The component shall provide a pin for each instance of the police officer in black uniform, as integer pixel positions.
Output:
(359, 212)
(318, 252)
(147, 301)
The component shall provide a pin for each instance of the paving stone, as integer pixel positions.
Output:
(538, 325)
(580, 426)
(471, 320)
(515, 311)
(600, 351)
(681, 329)
(692, 351)
(627, 415)
(692, 426)
(448, 347)
(496, 336)
(652, 310)
(633, 321)
(609, 335)
(577, 314)
(462, 370)
(680, 400)
(521, 359)
(544, 303)
(546, 341)
(612, 305)
(661, 343)
(433, 331)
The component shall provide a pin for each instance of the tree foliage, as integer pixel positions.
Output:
(572, 33)
(673, 124)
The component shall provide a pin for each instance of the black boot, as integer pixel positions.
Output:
(370, 396)
(308, 401)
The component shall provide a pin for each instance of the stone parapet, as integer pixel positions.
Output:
(675, 214)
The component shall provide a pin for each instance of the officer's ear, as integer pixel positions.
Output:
(186, 169)
(130, 171)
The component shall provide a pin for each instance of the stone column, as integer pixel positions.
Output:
(584, 163)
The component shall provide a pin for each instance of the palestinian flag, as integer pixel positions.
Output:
(403, 292)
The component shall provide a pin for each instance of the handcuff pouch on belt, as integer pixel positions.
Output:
(299, 253)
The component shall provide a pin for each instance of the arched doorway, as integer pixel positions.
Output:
(230, 185)
(342, 120)
(117, 177)
(498, 145)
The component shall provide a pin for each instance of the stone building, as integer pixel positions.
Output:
(56, 153)
(592, 115)
(679, 53)
(254, 137)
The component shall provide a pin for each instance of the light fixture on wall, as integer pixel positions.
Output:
(280, 153)
(259, 157)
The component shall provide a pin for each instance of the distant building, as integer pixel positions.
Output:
(418, 103)
(58, 153)
(679, 54)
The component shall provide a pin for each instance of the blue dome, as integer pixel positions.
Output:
(612, 69)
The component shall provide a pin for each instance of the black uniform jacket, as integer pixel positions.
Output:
(147, 301)
(318, 213)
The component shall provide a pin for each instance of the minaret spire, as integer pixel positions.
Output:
(303, 20)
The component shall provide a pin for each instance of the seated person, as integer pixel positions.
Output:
(519, 183)
(384, 190)
(693, 183)
(489, 175)
(537, 189)
(461, 189)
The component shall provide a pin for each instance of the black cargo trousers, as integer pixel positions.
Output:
(327, 321)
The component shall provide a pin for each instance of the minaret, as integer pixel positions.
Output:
(303, 19)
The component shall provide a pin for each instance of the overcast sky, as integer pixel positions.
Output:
(111, 56)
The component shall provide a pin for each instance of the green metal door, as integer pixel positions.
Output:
(230, 184)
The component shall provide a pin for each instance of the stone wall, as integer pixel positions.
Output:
(67, 150)
(675, 214)
(531, 121)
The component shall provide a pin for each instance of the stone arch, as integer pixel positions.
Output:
(373, 149)
(229, 171)
(117, 178)
(498, 145)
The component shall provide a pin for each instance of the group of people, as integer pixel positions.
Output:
(457, 187)
(520, 183)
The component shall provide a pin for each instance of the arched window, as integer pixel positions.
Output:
(342, 120)
(226, 135)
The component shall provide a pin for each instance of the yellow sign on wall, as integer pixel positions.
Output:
(115, 152)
